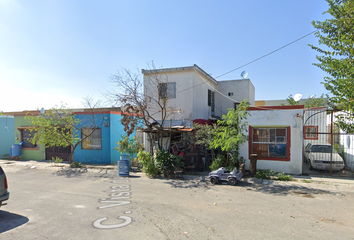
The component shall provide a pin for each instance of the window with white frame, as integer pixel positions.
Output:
(271, 143)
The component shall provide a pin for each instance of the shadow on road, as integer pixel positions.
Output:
(71, 172)
(180, 183)
(284, 190)
(10, 221)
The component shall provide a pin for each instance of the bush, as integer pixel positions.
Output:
(56, 159)
(218, 162)
(264, 174)
(167, 162)
(76, 165)
(148, 164)
(284, 177)
(269, 174)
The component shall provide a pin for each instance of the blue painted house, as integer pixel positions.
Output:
(99, 148)
(7, 130)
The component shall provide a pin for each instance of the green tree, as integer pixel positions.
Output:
(59, 127)
(312, 102)
(232, 132)
(337, 58)
(204, 135)
(128, 145)
(291, 101)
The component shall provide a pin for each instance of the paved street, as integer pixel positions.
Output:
(61, 203)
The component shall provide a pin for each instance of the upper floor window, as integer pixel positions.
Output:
(211, 100)
(231, 94)
(167, 90)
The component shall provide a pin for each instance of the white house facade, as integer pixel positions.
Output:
(276, 136)
(194, 94)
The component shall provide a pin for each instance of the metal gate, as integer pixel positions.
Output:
(327, 149)
(62, 152)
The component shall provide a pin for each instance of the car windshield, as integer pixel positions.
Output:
(322, 149)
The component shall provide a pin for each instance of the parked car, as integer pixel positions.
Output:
(223, 175)
(319, 157)
(4, 194)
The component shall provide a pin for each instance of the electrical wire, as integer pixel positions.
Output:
(251, 61)
(268, 53)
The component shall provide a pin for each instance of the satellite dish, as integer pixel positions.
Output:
(297, 97)
(42, 111)
(244, 74)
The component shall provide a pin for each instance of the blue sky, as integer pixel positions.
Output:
(54, 51)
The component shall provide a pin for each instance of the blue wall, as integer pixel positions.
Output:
(7, 134)
(110, 135)
(117, 130)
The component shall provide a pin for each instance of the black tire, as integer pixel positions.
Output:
(232, 181)
(214, 180)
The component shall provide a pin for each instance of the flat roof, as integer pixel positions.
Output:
(178, 69)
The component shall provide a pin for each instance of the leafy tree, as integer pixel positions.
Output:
(232, 132)
(128, 145)
(291, 101)
(59, 127)
(337, 59)
(204, 135)
(312, 102)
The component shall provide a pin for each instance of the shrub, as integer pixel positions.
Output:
(269, 174)
(76, 165)
(56, 159)
(148, 164)
(218, 162)
(264, 174)
(167, 162)
(284, 177)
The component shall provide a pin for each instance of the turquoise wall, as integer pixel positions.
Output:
(117, 130)
(7, 134)
(109, 135)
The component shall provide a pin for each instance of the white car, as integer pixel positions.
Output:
(319, 157)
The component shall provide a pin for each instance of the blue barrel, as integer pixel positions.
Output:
(123, 166)
(15, 151)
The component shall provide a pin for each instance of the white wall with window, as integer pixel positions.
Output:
(276, 136)
(194, 92)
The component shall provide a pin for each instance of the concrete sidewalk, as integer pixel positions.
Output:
(201, 176)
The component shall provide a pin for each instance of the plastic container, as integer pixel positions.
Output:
(123, 166)
(15, 151)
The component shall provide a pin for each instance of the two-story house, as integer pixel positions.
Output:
(180, 96)
(194, 94)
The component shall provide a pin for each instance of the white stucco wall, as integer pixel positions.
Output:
(241, 89)
(279, 118)
(192, 85)
(191, 95)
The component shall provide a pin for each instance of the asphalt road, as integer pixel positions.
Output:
(60, 203)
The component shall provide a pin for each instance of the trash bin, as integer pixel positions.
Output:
(15, 151)
(123, 166)
(253, 164)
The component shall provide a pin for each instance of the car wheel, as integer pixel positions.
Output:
(232, 181)
(214, 180)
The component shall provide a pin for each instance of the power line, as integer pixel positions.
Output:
(252, 61)
(268, 53)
